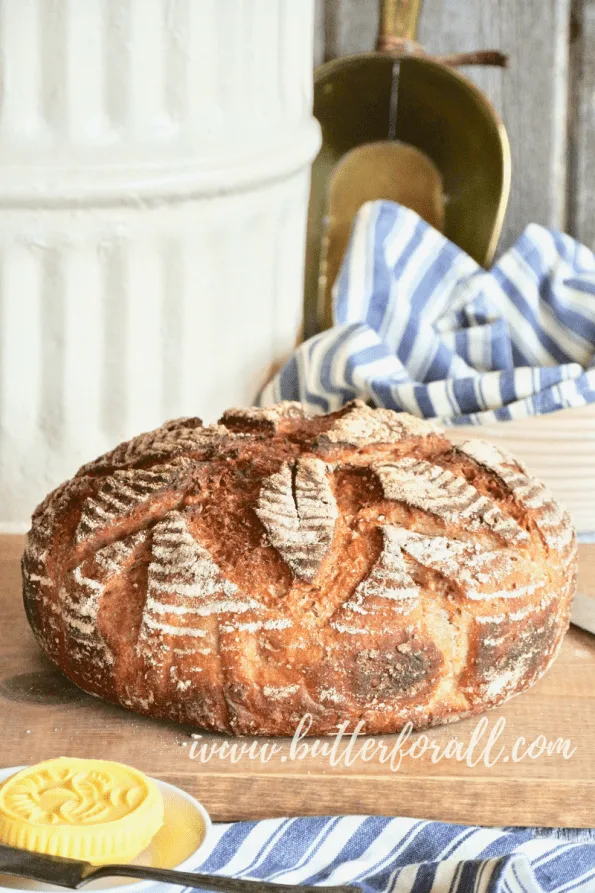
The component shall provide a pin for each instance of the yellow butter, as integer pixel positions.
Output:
(94, 810)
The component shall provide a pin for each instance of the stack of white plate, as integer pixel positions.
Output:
(558, 448)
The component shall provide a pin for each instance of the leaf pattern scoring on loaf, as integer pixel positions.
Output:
(171, 439)
(436, 490)
(481, 573)
(80, 596)
(123, 492)
(550, 519)
(185, 587)
(389, 584)
(298, 510)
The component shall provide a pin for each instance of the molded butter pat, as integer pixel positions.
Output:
(93, 810)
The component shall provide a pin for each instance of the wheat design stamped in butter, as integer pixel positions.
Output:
(66, 797)
(96, 810)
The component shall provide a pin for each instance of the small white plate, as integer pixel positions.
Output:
(185, 829)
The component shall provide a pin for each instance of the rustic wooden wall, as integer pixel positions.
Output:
(546, 97)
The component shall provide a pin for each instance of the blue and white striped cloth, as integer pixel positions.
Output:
(387, 855)
(419, 326)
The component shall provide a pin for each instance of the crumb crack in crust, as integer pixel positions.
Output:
(362, 426)
(354, 566)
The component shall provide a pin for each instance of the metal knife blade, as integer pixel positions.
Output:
(38, 867)
(583, 612)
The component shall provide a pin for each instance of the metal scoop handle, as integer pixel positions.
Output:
(396, 35)
(398, 21)
(398, 30)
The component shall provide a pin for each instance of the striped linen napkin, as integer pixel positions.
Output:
(419, 326)
(394, 855)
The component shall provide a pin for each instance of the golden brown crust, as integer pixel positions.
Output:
(355, 567)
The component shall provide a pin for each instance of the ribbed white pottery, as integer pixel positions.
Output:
(154, 172)
(558, 448)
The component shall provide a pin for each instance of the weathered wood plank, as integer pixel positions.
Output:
(319, 35)
(351, 26)
(448, 26)
(44, 715)
(531, 95)
(582, 92)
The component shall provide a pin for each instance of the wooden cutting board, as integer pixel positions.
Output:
(42, 715)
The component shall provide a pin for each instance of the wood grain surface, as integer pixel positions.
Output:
(42, 715)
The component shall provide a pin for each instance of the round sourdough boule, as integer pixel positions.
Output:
(350, 567)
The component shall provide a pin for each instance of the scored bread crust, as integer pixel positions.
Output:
(354, 567)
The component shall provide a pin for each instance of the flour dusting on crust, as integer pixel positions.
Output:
(482, 574)
(185, 586)
(550, 519)
(438, 491)
(268, 416)
(123, 492)
(389, 579)
(81, 594)
(298, 510)
(178, 437)
(362, 426)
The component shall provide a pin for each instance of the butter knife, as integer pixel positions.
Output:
(74, 874)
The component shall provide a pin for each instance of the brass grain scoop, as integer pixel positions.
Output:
(400, 125)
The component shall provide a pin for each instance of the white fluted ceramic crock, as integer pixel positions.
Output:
(154, 172)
